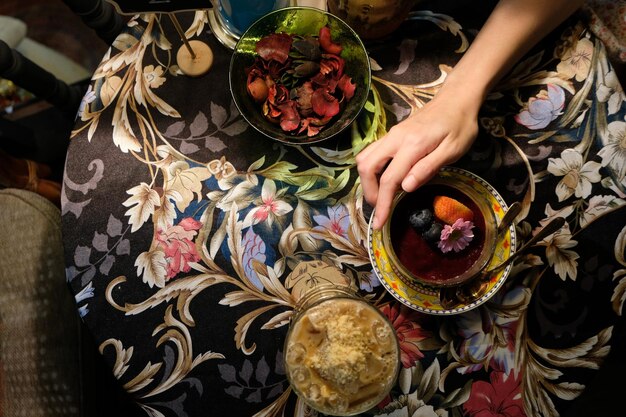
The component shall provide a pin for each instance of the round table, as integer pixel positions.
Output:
(189, 237)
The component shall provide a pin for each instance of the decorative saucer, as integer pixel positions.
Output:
(424, 298)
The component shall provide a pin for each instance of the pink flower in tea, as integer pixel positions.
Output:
(457, 236)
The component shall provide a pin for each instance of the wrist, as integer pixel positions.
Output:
(466, 94)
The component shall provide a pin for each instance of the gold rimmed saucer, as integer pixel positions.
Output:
(424, 298)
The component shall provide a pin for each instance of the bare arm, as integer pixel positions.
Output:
(512, 29)
(444, 129)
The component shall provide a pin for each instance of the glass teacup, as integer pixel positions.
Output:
(342, 355)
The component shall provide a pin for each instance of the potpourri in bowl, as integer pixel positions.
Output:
(299, 75)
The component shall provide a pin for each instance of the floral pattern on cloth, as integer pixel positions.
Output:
(190, 239)
(607, 20)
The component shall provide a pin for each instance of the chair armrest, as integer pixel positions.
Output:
(12, 30)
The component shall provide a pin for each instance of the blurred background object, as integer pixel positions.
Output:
(372, 19)
(45, 370)
(55, 38)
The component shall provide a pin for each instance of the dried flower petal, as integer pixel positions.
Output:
(258, 90)
(332, 65)
(346, 85)
(308, 47)
(307, 69)
(303, 98)
(324, 103)
(300, 81)
(289, 118)
(274, 46)
(278, 94)
(326, 42)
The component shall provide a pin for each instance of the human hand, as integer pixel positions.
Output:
(415, 149)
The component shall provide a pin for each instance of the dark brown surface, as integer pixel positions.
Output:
(51, 23)
(36, 130)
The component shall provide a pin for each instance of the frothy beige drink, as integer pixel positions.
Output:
(342, 356)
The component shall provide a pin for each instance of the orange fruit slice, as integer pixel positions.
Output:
(449, 210)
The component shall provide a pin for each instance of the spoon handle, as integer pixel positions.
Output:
(508, 217)
(554, 225)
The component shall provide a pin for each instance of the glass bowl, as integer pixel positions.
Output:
(342, 355)
(416, 259)
(302, 21)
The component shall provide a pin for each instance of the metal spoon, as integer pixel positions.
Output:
(508, 218)
(448, 295)
(478, 286)
(473, 290)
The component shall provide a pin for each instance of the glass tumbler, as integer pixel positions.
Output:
(342, 355)
(237, 15)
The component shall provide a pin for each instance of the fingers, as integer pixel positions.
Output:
(380, 178)
(390, 183)
(367, 150)
(415, 150)
(425, 169)
(370, 163)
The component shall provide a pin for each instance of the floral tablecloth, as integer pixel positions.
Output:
(189, 237)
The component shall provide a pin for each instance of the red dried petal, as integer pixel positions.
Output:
(266, 110)
(311, 125)
(346, 85)
(326, 42)
(270, 112)
(304, 93)
(258, 90)
(312, 131)
(304, 124)
(254, 72)
(315, 121)
(274, 46)
(275, 69)
(320, 80)
(324, 104)
(277, 94)
(289, 118)
(332, 64)
(310, 104)
(274, 111)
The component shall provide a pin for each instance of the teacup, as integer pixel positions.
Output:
(416, 257)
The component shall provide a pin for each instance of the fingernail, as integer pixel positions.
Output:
(409, 183)
(375, 223)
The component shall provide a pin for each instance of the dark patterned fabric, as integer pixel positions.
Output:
(189, 237)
